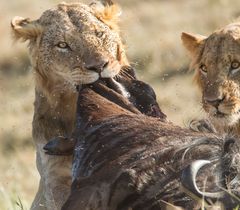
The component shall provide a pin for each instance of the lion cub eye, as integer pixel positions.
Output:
(62, 45)
(203, 69)
(235, 65)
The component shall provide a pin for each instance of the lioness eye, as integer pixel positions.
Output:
(235, 65)
(99, 34)
(203, 68)
(62, 45)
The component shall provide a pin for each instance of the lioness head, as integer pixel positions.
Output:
(72, 44)
(216, 60)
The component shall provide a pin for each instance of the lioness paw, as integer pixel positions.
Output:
(202, 126)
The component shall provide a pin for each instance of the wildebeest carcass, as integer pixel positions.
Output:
(125, 160)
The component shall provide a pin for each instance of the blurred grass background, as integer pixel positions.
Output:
(151, 31)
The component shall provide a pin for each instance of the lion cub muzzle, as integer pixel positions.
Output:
(214, 101)
(212, 98)
(223, 105)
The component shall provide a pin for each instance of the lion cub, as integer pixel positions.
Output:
(216, 60)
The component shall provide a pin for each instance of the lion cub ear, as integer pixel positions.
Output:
(25, 29)
(192, 42)
(108, 13)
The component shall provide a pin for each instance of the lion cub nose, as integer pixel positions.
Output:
(214, 102)
(97, 66)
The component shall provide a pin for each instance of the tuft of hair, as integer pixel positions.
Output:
(197, 80)
(109, 15)
(23, 29)
(62, 6)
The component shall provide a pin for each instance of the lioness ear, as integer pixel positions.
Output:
(192, 42)
(25, 29)
(108, 13)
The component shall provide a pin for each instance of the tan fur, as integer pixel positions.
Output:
(110, 16)
(192, 42)
(220, 81)
(90, 35)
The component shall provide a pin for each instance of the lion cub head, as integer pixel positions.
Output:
(216, 60)
(72, 44)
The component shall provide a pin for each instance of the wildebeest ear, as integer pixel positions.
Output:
(107, 12)
(192, 42)
(25, 29)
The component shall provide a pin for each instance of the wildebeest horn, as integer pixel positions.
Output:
(188, 180)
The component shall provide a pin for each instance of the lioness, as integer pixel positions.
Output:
(216, 60)
(70, 44)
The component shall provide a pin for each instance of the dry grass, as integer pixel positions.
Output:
(152, 33)
(18, 177)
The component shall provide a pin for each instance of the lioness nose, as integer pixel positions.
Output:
(214, 102)
(97, 66)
